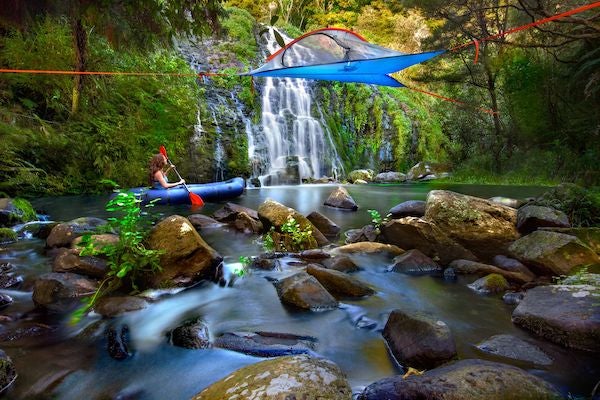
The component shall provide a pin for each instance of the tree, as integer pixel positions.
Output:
(138, 23)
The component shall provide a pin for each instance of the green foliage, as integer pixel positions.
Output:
(292, 237)
(377, 220)
(581, 205)
(245, 264)
(128, 258)
(7, 235)
(24, 209)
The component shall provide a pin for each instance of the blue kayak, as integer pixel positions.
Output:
(210, 192)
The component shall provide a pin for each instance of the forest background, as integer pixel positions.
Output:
(62, 134)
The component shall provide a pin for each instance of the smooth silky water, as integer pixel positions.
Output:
(349, 335)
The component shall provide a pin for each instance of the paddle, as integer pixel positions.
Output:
(194, 198)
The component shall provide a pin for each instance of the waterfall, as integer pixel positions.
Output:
(290, 144)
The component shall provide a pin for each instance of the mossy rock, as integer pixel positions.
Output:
(7, 235)
(15, 211)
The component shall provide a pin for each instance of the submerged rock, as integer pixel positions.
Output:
(192, 334)
(266, 344)
(461, 380)
(290, 377)
(338, 283)
(413, 262)
(514, 348)
(118, 342)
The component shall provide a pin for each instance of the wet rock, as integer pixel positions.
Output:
(274, 214)
(63, 234)
(8, 281)
(389, 177)
(187, 258)
(116, 305)
(5, 300)
(467, 267)
(25, 330)
(192, 334)
(200, 221)
(565, 314)
(589, 236)
(8, 374)
(314, 254)
(117, 342)
(230, 211)
(362, 174)
(413, 262)
(483, 227)
(15, 211)
(411, 208)
(449, 273)
(465, 379)
(246, 224)
(506, 201)
(514, 348)
(68, 260)
(513, 298)
(323, 224)
(43, 387)
(490, 284)
(424, 169)
(340, 263)
(61, 292)
(419, 340)
(368, 248)
(416, 233)
(340, 198)
(290, 377)
(266, 344)
(267, 264)
(367, 233)
(530, 218)
(338, 283)
(304, 291)
(7, 235)
(98, 241)
(551, 253)
(512, 265)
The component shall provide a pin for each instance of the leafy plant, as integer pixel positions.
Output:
(376, 219)
(245, 263)
(127, 258)
(292, 237)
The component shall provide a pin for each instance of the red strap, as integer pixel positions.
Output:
(462, 103)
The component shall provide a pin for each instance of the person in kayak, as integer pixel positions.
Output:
(158, 177)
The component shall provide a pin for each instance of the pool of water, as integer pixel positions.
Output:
(349, 335)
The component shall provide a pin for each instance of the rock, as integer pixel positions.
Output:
(304, 291)
(266, 344)
(416, 233)
(113, 306)
(362, 174)
(338, 283)
(514, 348)
(413, 262)
(61, 292)
(99, 241)
(467, 267)
(7, 235)
(5, 300)
(506, 201)
(314, 254)
(465, 379)
(552, 253)
(15, 211)
(63, 234)
(530, 218)
(8, 374)
(424, 168)
(418, 340)
(490, 284)
(389, 177)
(565, 314)
(340, 198)
(367, 233)
(483, 227)
(200, 221)
(512, 265)
(187, 258)
(192, 334)
(68, 260)
(360, 182)
(368, 248)
(117, 342)
(26, 330)
(274, 214)
(290, 377)
(340, 263)
(323, 224)
(589, 236)
(513, 298)
(8, 281)
(411, 208)
(230, 210)
(244, 223)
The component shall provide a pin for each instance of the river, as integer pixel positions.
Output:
(350, 335)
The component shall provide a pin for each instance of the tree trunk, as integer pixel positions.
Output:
(80, 45)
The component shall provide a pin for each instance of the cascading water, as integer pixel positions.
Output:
(290, 144)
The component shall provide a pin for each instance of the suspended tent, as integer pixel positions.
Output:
(335, 54)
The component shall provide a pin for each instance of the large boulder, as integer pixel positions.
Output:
(419, 340)
(304, 291)
(61, 292)
(68, 260)
(290, 377)
(323, 224)
(589, 236)
(274, 214)
(338, 283)
(390, 177)
(552, 253)
(425, 169)
(266, 344)
(340, 198)
(410, 208)
(483, 227)
(63, 234)
(416, 233)
(360, 174)
(512, 348)
(187, 258)
(530, 218)
(465, 379)
(565, 314)
(467, 267)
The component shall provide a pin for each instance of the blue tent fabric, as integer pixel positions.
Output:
(335, 54)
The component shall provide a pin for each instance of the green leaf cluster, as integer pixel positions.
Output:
(291, 237)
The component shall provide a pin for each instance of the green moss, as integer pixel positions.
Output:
(495, 283)
(7, 235)
(25, 209)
